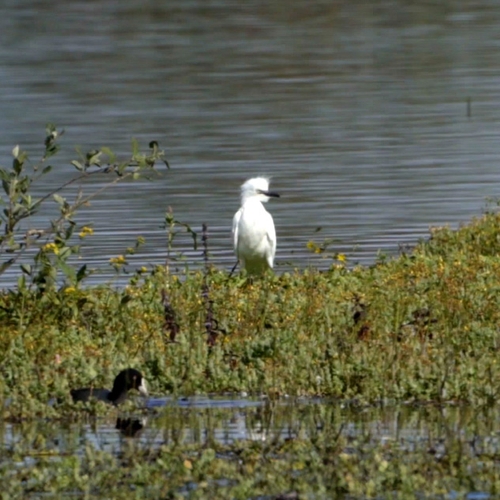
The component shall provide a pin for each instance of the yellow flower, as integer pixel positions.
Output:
(143, 269)
(51, 247)
(70, 289)
(311, 245)
(119, 261)
(341, 257)
(86, 231)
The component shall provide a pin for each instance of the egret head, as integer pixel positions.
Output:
(257, 187)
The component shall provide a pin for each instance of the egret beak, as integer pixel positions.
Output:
(272, 194)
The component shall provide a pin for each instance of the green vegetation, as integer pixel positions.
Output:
(419, 328)
(52, 247)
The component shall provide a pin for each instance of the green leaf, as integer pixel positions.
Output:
(34, 207)
(125, 300)
(135, 147)
(59, 199)
(82, 273)
(26, 269)
(17, 166)
(69, 230)
(51, 150)
(13, 247)
(21, 282)
(78, 165)
(93, 157)
(111, 156)
(64, 253)
(47, 169)
(13, 187)
(122, 167)
(26, 199)
(18, 209)
(50, 128)
(68, 271)
(5, 265)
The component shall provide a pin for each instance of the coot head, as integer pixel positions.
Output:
(124, 381)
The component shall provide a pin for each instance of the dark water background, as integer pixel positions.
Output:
(357, 110)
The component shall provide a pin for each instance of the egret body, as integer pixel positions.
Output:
(254, 236)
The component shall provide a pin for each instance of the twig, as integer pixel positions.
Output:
(170, 325)
(233, 269)
(211, 324)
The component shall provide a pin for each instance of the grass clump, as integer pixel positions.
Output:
(423, 326)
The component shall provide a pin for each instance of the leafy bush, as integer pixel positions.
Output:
(50, 247)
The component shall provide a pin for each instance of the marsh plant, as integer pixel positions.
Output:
(422, 327)
(46, 251)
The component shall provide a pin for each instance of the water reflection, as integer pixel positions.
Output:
(244, 434)
(204, 420)
(130, 427)
(357, 110)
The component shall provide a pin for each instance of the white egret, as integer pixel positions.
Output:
(254, 236)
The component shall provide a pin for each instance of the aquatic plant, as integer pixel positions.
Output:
(286, 452)
(419, 327)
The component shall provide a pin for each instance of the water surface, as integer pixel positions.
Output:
(357, 110)
(206, 422)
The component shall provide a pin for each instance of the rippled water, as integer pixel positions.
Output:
(358, 110)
